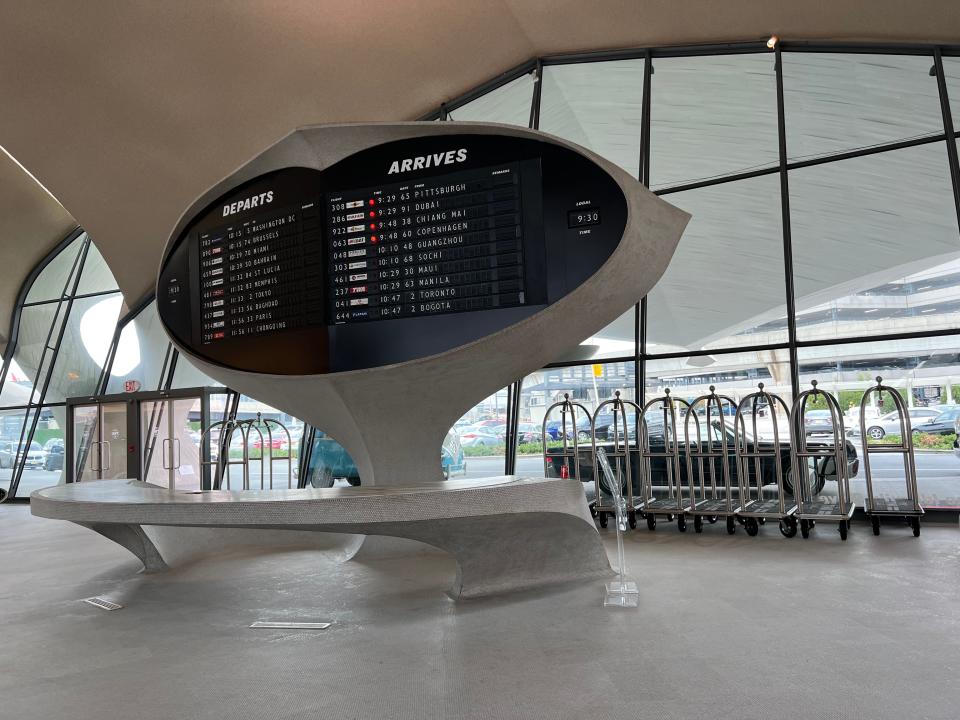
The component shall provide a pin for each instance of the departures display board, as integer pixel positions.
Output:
(397, 252)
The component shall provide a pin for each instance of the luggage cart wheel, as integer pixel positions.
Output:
(681, 523)
(712, 519)
(805, 528)
(752, 526)
(651, 522)
(602, 517)
(788, 527)
(731, 525)
(843, 529)
(762, 521)
(698, 523)
(875, 522)
(632, 519)
(915, 524)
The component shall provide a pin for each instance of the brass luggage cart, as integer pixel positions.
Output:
(811, 508)
(709, 451)
(908, 507)
(618, 455)
(673, 505)
(756, 463)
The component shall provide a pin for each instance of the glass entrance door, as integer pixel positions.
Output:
(85, 458)
(100, 441)
(151, 436)
(113, 439)
(170, 429)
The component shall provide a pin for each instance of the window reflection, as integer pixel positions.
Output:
(875, 245)
(508, 104)
(711, 117)
(597, 105)
(839, 102)
(725, 284)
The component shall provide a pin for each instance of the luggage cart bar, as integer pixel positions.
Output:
(907, 507)
(568, 453)
(809, 507)
(619, 457)
(673, 505)
(756, 508)
(710, 500)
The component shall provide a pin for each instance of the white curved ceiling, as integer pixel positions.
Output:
(31, 224)
(128, 111)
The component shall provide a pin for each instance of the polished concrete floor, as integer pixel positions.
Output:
(728, 627)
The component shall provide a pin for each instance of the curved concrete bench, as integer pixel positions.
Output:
(506, 533)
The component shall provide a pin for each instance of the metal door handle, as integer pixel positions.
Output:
(177, 441)
(165, 453)
(95, 468)
(109, 453)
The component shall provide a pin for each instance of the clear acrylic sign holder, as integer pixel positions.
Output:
(621, 592)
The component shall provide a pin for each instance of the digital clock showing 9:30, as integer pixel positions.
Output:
(583, 217)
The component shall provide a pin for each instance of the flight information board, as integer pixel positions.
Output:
(262, 274)
(401, 250)
(452, 243)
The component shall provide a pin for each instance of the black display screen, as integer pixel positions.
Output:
(399, 251)
(582, 217)
(261, 274)
(453, 243)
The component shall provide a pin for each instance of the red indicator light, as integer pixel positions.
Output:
(373, 226)
(373, 239)
(373, 214)
(372, 201)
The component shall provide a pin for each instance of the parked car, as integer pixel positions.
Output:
(54, 459)
(35, 455)
(890, 423)
(7, 454)
(528, 433)
(329, 460)
(942, 424)
(818, 422)
(554, 430)
(277, 442)
(491, 422)
(452, 461)
(481, 436)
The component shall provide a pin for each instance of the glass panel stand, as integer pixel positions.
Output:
(623, 591)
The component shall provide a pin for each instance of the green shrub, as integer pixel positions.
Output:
(484, 450)
(921, 441)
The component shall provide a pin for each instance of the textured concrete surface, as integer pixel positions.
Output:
(752, 628)
(506, 533)
(392, 419)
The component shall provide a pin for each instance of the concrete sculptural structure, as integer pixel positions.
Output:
(540, 244)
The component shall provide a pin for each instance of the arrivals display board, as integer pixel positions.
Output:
(399, 251)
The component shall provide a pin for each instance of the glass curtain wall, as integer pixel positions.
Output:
(59, 344)
(824, 188)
